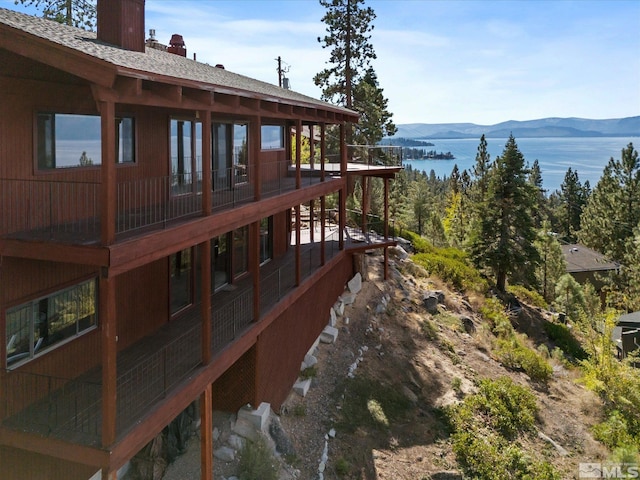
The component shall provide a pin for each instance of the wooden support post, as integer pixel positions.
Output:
(254, 155)
(341, 217)
(298, 248)
(206, 434)
(205, 306)
(343, 149)
(323, 224)
(323, 150)
(386, 208)
(312, 205)
(207, 181)
(254, 266)
(311, 147)
(108, 171)
(298, 153)
(365, 206)
(109, 339)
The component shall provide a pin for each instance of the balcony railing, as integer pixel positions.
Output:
(148, 371)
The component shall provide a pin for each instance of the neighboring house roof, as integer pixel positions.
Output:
(630, 320)
(152, 64)
(582, 259)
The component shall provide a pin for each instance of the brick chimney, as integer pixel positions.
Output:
(121, 23)
(176, 45)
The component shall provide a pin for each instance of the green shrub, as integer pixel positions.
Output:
(613, 432)
(454, 271)
(257, 462)
(516, 356)
(493, 312)
(429, 329)
(342, 466)
(563, 338)
(528, 296)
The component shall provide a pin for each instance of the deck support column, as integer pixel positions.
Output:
(108, 172)
(205, 306)
(365, 206)
(386, 227)
(206, 434)
(298, 153)
(342, 194)
(323, 225)
(109, 339)
(207, 186)
(298, 256)
(254, 266)
(323, 150)
(255, 132)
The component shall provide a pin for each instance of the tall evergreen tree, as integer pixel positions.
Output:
(539, 199)
(77, 13)
(612, 211)
(503, 240)
(552, 264)
(573, 198)
(481, 171)
(349, 79)
(375, 119)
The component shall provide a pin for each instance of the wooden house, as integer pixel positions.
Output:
(152, 251)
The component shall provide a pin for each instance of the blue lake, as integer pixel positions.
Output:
(587, 155)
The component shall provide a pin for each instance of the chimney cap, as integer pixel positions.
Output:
(176, 40)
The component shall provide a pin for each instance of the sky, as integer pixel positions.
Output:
(438, 61)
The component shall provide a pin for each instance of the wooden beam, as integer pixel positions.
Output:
(207, 181)
(206, 434)
(55, 252)
(205, 304)
(172, 93)
(138, 251)
(201, 97)
(254, 265)
(108, 171)
(53, 447)
(298, 153)
(323, 225)
(128, 86)
(255, 146)
(109, 339)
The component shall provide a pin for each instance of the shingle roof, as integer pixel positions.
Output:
(582, 259)
(153, 61)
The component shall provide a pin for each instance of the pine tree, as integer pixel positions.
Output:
(612, 213)
(481, 171)
(503, 239)
(77, 13)
(573, 197)
(349, 80)
(552, 264)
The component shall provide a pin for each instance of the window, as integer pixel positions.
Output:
(70, 140)
(240, 251)
(181, 280)
(40, 324)
(266, 239)
(186, 139)
(271, 137)
(229, 155)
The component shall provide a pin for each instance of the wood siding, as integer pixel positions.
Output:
(283, 345)
(23, 465)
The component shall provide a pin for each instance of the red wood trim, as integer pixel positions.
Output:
(323, 149)
(107, 319)
(206, 434)
(58, 56)
(125, 256)
(255, 144)
(108, 170)
(54, 447)
(55, 252)
(298, 153)
(342, 200)
(254, 265)
(298, 246)
(206, 162)
(323, 224)
(205, 282)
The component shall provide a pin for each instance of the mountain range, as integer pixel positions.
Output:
(544, 127)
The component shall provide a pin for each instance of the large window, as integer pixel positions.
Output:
(240, 251)
(186, 140)
(70, 140)
(271, 137)
(229, 155)
(40, 324)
